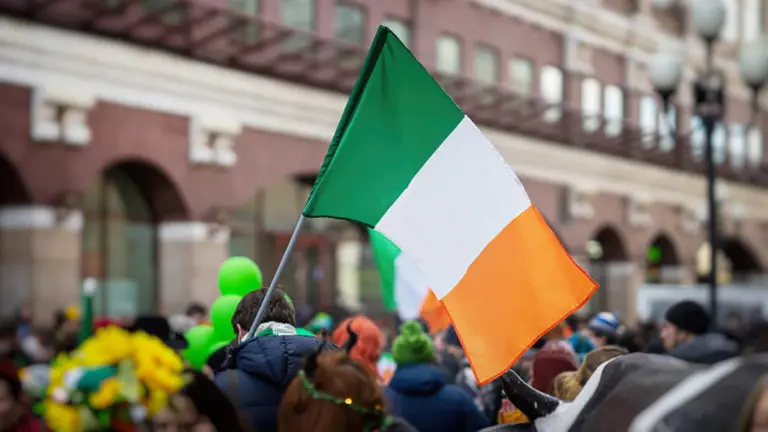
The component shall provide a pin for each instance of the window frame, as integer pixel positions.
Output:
(495, 56)
(460, 57)
(512, 84)
(363, 21)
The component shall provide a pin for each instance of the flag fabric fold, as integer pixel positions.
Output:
(407, 162)
(403, 287)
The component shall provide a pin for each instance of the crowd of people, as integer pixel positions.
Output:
(351, 376)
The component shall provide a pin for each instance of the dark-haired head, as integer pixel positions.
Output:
(197, 312)
(280, 310)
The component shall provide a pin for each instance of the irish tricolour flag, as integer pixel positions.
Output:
(407, 162)
(403, 286)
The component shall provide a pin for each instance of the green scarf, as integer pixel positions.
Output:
(275, 329)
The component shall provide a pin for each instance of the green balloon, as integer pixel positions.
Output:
(239, 276)
(222, 310)
(198, 340)
(215, 347)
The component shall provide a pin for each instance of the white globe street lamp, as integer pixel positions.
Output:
(708, 18)
(665, 72)
(753, 63)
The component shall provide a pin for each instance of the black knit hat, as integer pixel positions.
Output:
(689, 316)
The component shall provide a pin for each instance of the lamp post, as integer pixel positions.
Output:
(709, 101)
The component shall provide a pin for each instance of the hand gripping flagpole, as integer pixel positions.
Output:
(273, 283)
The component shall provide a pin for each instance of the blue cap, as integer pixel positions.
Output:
(604, 322)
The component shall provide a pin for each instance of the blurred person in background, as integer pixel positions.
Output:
(37, 346)
(15, 414)
(198, 313)
(9, 345)
(568, 385)
(199, 407)
(450, 353)
(548, 363)
(66, 329)
(603, 329)
(419, 393)
(370, 340)
(580, 340)
(181, 324)
(685, 335)
(24, 318)
(735, 327)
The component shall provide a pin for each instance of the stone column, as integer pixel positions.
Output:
(39, 259)
(189, 256)
(583, 261)
(626, 278)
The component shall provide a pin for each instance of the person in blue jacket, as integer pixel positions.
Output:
(418, 391)
(256, 373)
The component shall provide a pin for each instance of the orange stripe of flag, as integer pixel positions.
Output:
(521, 285)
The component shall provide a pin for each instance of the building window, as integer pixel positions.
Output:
(590, 104)
(551, 91)
(520, 76)
(720, 143)
(486, 65)
(613, 110)
(753, 19)
(755, 147)
(119, 241)
(448, 55)
(248, 33)
(730, 31)
(648, 117)
(400, 28)
(349, 25)
(737, 146)
(667, 127)
(298, 15)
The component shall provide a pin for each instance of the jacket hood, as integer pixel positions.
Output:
(275, 359)
(417, 379)
(708, 348)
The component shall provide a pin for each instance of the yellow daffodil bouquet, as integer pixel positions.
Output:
(114, 381)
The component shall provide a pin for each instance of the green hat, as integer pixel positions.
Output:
(412, 346)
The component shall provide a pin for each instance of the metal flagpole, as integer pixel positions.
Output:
(273, 284)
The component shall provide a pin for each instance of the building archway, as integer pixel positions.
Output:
(13, 191)
(122, 209)
(662, 258)
(606, 246)
(744, 263)
(12, 188)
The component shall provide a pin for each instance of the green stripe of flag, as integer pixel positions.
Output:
(395, 119)
(384, 254)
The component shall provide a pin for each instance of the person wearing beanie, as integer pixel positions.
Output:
(684, 333)
(603, 329)
(418, 391)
